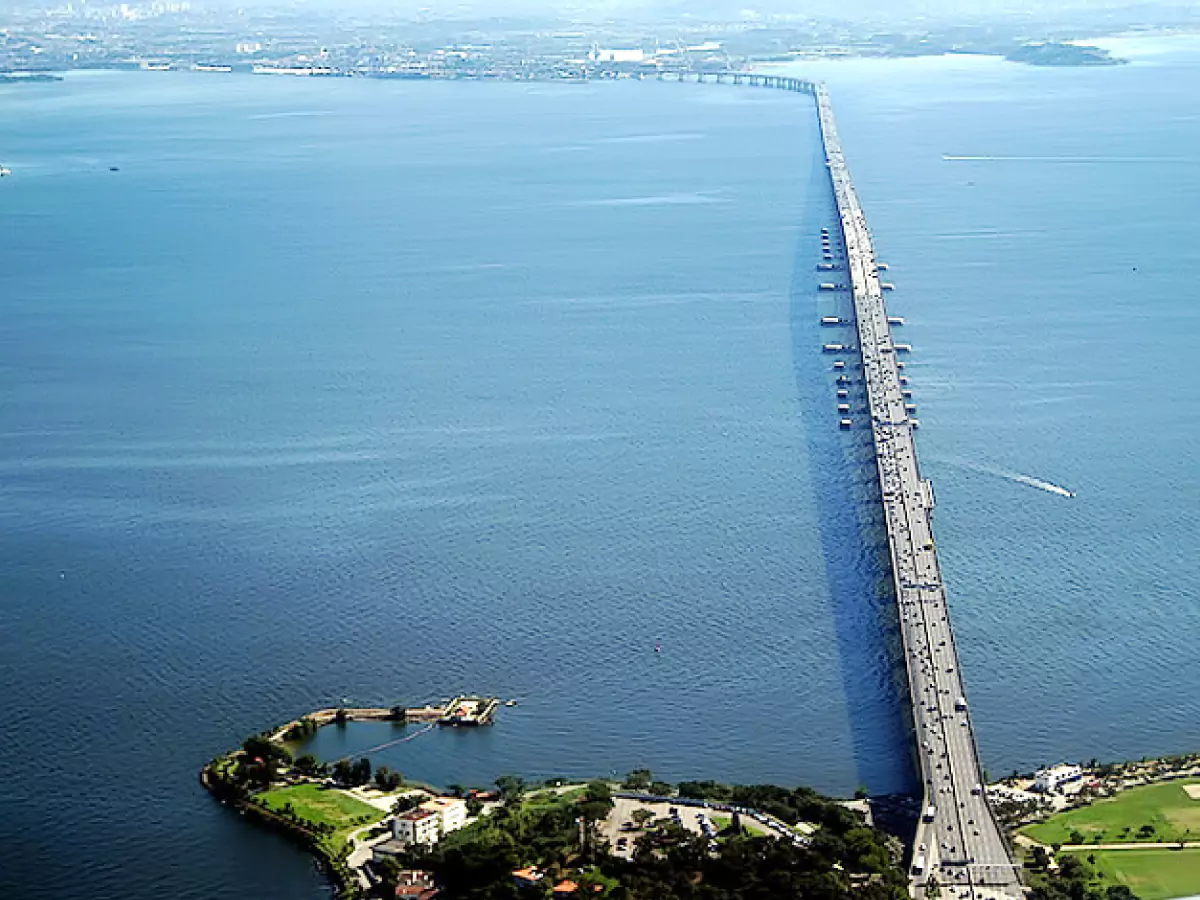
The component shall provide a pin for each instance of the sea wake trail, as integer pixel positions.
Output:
(1016, 477)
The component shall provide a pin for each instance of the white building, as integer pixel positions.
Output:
(451, 813)
(1047, 780)
(431, 821)
(616, 55)
(417, 826)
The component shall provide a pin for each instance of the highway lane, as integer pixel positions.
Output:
(959, 844)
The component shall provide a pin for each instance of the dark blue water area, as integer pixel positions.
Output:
(386, 391)
(381, 391)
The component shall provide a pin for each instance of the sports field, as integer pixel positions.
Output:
(1155, 813)
(1151, 874)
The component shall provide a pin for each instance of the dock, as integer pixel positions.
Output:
(463, 710)
(960, 849)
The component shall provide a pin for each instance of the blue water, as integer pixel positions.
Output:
(382, 391)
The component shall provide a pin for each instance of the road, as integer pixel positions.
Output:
(959, 843)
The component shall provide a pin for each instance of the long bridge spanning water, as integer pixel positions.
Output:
(959, 845)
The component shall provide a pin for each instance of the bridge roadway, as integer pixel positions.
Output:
(960, 847)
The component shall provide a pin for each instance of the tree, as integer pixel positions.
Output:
(735, 823)
(261, 747)
(703, 790)
(670, 863)
(638, 780)
(512, 788)
(661, 789)
(641, 816)
(343, 771)
(387, 780)
(861, 792)
(309, 765)
(474, 806)
(1072, 868)
(598, 792)
(405, 803)
(301, 730)
(595, 804)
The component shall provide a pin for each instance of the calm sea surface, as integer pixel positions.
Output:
(383, 391)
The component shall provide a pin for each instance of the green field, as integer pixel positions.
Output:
(1174, 815)
(1151, 874)
(324, 805)
(748, 825)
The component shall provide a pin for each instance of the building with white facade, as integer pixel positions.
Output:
(1047, 780)
(430, 821)
(417, 826)
(451, 813)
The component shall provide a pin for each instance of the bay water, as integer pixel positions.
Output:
(373, 392)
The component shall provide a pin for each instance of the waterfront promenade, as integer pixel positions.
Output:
(959, 845)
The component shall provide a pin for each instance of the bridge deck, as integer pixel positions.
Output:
(961, 846)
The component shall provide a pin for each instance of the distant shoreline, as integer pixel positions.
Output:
(1045, 54)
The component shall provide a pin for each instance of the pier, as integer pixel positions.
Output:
(959, 847)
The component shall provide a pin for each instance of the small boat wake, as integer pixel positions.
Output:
(1016, 477)
(1047, 486)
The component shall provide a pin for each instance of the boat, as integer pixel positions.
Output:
(4, 171)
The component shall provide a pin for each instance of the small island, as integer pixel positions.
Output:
(1057, 53)
(378, 834)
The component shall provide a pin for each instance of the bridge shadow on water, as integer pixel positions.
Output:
(853, 537)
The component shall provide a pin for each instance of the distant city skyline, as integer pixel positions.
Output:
(665, 10)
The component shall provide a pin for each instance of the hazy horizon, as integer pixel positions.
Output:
(659, 10)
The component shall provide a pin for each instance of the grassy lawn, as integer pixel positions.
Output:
(1174, 815)
(550, 798)
(1151, 874)
(748, 824)
(324, 805)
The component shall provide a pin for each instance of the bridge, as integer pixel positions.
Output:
(752, 79)
(959, 845)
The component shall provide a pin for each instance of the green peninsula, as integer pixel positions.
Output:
(378, 834)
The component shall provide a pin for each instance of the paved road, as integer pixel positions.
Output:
(959, 844)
